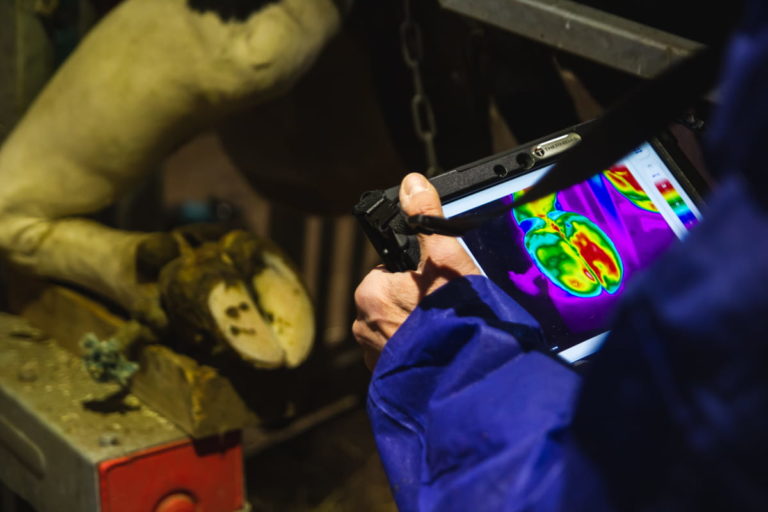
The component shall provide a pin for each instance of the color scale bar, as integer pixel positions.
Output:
(673, 199)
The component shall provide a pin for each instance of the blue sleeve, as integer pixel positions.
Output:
(684, 376)
(672, 414)
(465, 416)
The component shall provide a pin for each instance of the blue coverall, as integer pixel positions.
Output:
(673, 414)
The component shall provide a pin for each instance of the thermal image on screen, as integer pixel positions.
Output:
(568, 248)
(566, 258)
(625, 182)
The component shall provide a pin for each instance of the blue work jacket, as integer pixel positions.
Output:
(673, 414)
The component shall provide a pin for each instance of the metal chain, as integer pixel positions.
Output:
(421, 108)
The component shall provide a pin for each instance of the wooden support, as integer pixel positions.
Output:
(195, 397)
(269, 405)
(62, 313)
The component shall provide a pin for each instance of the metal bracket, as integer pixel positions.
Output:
(585, 31)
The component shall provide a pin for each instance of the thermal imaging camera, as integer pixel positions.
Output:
(566, 258)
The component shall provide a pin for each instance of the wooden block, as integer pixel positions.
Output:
(64, 314)
(195, 397)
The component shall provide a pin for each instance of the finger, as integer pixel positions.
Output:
(419, 196)
(365, 336)
(370, 357)
(385, 298)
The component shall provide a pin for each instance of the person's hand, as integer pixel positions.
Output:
(384, 299)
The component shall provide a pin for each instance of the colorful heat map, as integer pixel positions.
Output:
(566, 258)
(625, 182)
(569, 249)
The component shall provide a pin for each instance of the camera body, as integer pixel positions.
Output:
(385, 225)
(565, 258)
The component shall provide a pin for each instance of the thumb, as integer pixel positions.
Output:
(419, 196)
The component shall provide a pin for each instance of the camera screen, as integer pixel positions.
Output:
(568, 257)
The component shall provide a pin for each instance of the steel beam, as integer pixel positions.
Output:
(602, 37)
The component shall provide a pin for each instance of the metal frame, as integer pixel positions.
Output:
(68, 443)
(602, 37)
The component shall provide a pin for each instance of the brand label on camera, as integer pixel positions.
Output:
(555, 146)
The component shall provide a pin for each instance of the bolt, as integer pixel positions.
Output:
(132, 402)
(108, 439)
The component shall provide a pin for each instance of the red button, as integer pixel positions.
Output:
(178, 502)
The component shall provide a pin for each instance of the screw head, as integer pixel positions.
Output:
(108, 439)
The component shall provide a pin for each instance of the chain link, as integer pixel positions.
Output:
(422, 114)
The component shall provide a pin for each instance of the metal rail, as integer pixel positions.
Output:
(602, 37)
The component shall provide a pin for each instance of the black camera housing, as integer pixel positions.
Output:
(386, 226)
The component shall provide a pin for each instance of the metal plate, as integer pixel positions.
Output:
(57, 424)
(602, 37)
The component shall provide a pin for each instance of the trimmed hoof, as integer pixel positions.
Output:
(239, 294)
